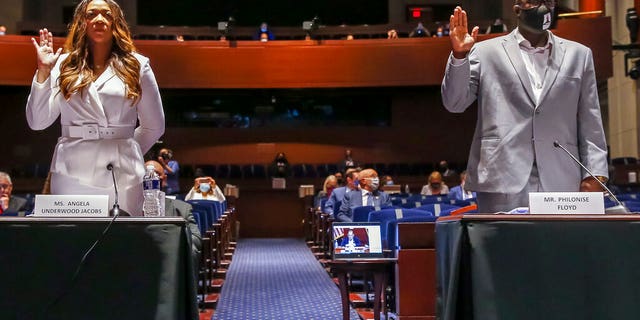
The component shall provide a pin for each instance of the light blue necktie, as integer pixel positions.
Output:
(369, 199)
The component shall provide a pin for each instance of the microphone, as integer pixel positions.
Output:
(116, 211)
(619, 207)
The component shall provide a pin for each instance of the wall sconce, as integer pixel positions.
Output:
(631, 19)
(634, 72)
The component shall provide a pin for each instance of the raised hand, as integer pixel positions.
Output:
(461, 40)
(47, 58)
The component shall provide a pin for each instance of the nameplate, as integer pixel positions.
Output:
(566, 203)
(71, 205)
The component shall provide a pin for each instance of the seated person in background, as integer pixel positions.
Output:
(330, 184)
(350, 240)
(339, 178)
(497, 27)
(348, 161)
(441, 32)
(279, 168)
(443, 168)
(368, 195)
(264, 33)
(435, 185)
(419, 32)
(205, 188)
(337, 195)
(9, 204)
(387, 180)
(178, 208)
(459, 192)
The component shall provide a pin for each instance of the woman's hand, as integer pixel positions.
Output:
(47, 58)
(461, 40)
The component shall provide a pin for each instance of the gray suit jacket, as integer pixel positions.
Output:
(178, 208)
(353, 199)
(513, 130)
(16, 204)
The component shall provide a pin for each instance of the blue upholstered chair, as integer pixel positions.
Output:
(361, 214)
(384, 216)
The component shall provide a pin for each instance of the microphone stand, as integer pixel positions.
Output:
(619, 207)
(116, 211)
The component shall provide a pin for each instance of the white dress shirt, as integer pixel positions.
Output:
(536, 61)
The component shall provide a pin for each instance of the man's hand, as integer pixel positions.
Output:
(461, 40)
(4, 202)
(589, 184)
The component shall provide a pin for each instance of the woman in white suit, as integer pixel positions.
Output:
(101, 88)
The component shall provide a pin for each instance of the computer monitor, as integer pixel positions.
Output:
(356, 240)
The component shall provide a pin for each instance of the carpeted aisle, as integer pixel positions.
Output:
(277, 279)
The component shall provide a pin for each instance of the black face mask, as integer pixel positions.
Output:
(435, 185)
(339, 181)
(536, 18)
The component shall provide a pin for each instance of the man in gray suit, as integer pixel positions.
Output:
(178, 208)
(10, 204)
(367, 195)
(532, 88)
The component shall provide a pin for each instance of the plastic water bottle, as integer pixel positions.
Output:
(406, 189)
(150, 191)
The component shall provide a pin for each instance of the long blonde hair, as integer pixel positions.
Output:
(75, 66)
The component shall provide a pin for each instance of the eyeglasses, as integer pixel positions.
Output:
(5, 186)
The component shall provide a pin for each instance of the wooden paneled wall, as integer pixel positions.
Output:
(302, 64)
(421, 130)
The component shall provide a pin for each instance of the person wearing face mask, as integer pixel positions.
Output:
(264, 33)
(498, 26)
(435, 185)
(279, 167)
(330, 184)
(205, 188)
(368, 195)
(460, 192)
(532, 88)
(339, 178)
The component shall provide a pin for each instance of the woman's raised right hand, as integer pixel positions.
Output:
(47, 58)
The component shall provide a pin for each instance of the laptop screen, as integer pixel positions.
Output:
(357, 240)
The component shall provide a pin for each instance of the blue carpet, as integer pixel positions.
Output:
(277, 279)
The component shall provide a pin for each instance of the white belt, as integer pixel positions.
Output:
(94, 132)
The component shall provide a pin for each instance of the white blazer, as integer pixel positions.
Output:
(512, 129)
(79, 165)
